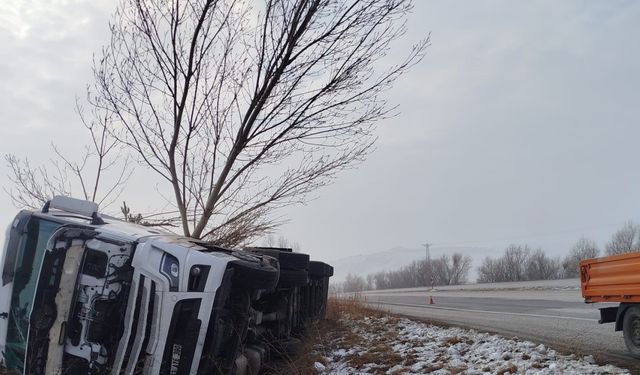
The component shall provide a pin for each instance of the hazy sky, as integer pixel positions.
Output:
(520, 125)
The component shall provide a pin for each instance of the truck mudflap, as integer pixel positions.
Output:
(608, 315)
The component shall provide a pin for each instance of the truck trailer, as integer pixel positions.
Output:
(84, 293)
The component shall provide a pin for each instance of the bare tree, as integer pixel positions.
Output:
(583, 249)
(269, 240)
(336, 288)
(371, 282)
(491, 271)
(540, 267)
(354, 283)
(446, 270)
(283, 242)
(242, 111)
(624, 240)
(286, 243)
(99, 175)
(459, 269)
(519, 263)
(381, 281)
(514, 262)
(451, 270)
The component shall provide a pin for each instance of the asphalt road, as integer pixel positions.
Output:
(551, 314)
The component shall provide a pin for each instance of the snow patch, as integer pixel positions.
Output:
(387, 345)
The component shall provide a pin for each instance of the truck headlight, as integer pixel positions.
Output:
(170, 268)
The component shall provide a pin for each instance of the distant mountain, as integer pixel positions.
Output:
(398, 257)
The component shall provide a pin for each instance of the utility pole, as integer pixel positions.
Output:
(426, 246)
(428, 260)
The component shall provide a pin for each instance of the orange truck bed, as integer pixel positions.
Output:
(614, 278)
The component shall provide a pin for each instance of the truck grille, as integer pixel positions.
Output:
(177, 358)
(140, 333)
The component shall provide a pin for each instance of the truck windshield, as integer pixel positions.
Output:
(29, 259)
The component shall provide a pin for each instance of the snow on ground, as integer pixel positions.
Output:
(389, 345)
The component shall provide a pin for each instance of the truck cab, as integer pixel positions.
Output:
(83, 293)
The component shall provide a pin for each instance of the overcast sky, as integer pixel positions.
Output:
(520, 125)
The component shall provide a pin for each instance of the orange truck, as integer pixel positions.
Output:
(616, 279)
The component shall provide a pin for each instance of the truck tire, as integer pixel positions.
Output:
(288, 260)
(255, 272)
(631, 330)
(293, 278)
(320, 269)
(292, 347)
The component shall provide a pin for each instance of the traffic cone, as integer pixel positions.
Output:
(431, 300)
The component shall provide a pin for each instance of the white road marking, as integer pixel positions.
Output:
(482, 311)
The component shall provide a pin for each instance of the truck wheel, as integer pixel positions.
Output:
(292, 347)
(293, 278)
(631, 330)
(288, 260)
(320, 269)
(254, 272)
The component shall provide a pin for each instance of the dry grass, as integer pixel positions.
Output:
(300, 365)
(457, 370)
(316, 342)
(453, 340)
(334, 333)
(510, 369)
(338, 308)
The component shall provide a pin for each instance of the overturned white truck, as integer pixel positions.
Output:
(84, 294)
